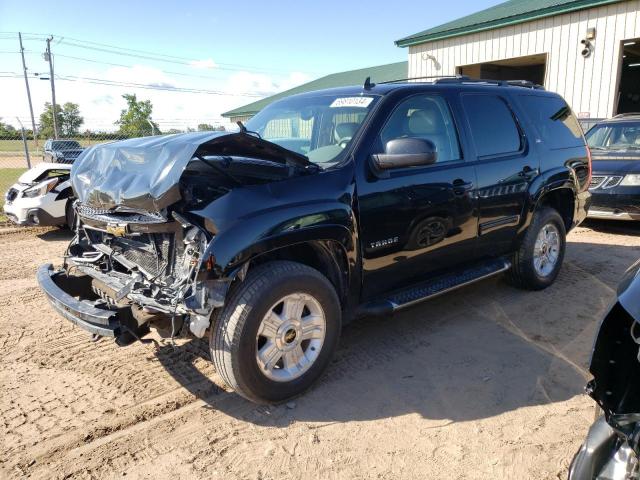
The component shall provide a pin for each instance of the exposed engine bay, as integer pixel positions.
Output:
(153, 265)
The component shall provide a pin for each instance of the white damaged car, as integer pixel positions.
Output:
(41, 196)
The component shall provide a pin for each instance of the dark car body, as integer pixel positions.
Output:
(611, 449)
(185, 216)
(611, 197)
(61, 151)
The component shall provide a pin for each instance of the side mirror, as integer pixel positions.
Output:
(406, 152)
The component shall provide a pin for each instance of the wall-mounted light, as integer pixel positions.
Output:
(428, 56)
(588, 48)
(591, 33)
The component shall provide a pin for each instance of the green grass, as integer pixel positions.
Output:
(8, 176)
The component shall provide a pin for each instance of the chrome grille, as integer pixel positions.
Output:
(612, 181)
(108, 216)
(596, 181)
(605, 181)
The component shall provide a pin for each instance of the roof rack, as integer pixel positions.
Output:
(466, 79)
(487, 81)
(432, 77)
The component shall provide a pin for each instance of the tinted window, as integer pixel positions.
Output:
(554, 120)
(424, 116)
(493, 127)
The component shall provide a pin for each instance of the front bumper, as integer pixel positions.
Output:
(619, 203)
(85, 314)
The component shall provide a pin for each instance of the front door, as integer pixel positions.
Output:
(416, 222)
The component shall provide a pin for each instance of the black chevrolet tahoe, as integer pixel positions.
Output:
(325, 206)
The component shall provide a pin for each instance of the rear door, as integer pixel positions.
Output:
(506, 165)
(416, 222)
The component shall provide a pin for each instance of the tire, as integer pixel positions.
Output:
(69, 215)
(235, 342)
(524, 272)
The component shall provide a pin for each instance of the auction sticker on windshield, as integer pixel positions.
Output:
(362, 102)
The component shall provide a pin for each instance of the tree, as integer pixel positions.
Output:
(207, 127)
(135, 120)
(71, 119)
(68, 118)
(7, 131)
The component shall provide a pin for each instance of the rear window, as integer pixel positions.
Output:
(493, 127)
(553, 118)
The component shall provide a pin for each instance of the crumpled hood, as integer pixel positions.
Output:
(32, 174)
(143, 173)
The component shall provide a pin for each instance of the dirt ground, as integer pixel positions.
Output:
(485, 382)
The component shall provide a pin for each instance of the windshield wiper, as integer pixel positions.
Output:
(243, 129)
(220, 170)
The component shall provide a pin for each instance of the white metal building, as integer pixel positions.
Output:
(586, 50)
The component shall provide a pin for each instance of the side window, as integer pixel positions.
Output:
(493, 127)
(554, 120)
(428, 117)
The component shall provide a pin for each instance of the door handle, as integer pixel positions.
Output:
(460, 187)
(526, 171)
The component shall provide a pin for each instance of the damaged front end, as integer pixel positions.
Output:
(142, 255)
(612, 447)
(124, 272)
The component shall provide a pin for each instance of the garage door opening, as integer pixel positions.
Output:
(629, 90)
(530, 68)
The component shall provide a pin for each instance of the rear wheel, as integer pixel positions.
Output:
(538, 260)
(277, 333)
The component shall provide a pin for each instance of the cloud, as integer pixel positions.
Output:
(100, 105)
(203, 64)
(263, 84)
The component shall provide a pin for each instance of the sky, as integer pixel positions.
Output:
(226, 54)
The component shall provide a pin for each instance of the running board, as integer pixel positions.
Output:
(435, 287)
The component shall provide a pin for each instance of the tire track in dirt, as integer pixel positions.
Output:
(75, 408)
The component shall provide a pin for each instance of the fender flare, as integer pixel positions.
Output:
(552, 180)
(228, 264)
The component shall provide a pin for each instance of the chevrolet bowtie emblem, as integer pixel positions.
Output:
(117, 230)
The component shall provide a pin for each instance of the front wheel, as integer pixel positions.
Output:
(277, 333)
(537, 261)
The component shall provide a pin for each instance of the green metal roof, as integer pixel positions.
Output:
(380, 73)
(503, 14)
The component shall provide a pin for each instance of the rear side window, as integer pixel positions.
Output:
(553, 118)
(493, 127)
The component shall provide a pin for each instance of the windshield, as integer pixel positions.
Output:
(615, 136)
(65, 145)
(320, 127)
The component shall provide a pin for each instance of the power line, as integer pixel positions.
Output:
(145, 54)
(114, 83)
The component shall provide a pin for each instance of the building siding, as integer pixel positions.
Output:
(586, 89)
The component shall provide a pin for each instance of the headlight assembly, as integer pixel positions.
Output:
(631, 180)
(40, 189)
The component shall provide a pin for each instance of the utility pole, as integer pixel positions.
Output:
(26, 82)
(24, 141)
(47, 56)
